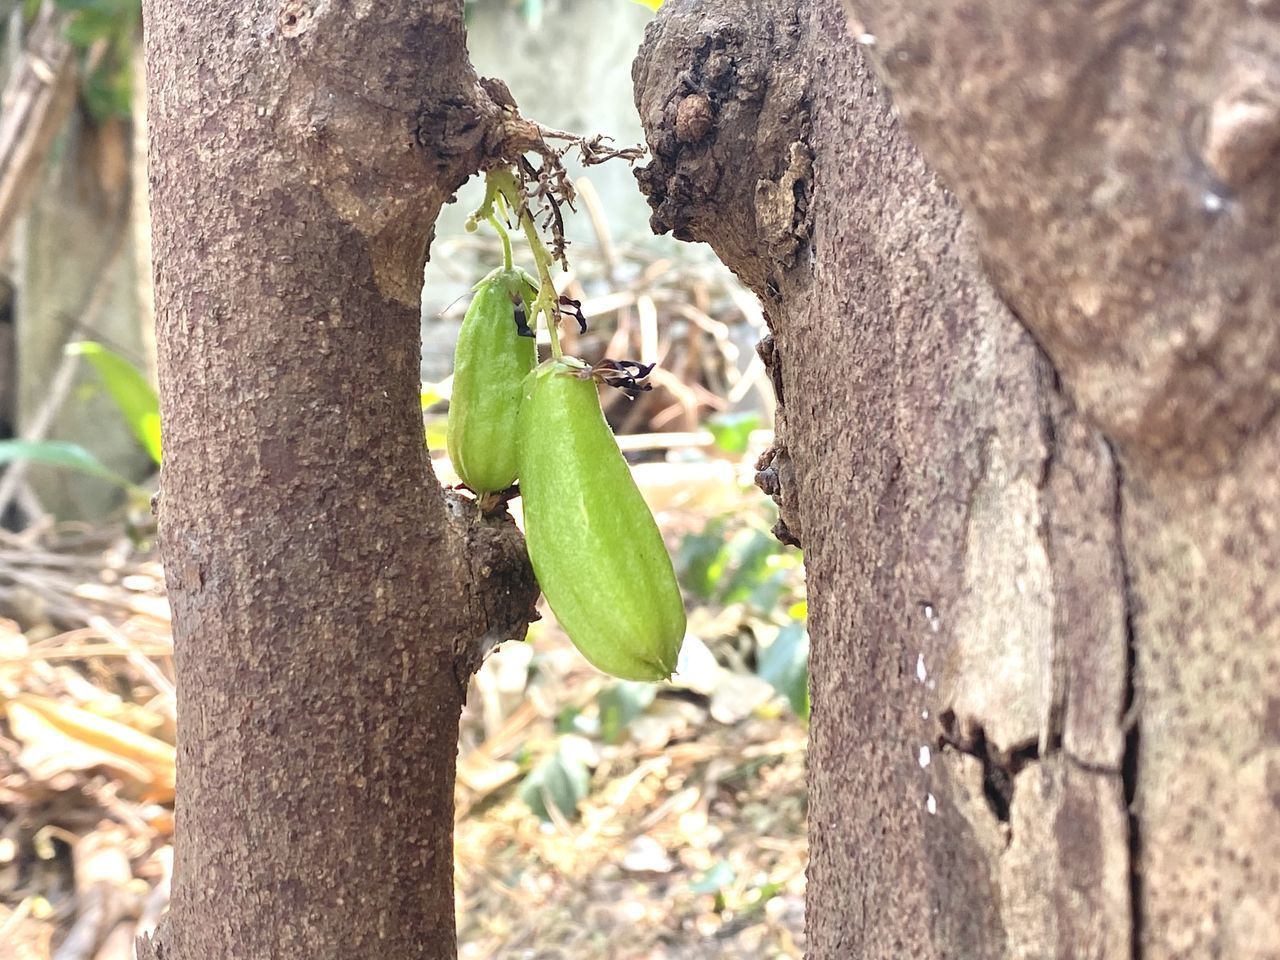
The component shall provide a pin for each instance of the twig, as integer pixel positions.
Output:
(608, 303)
(85, 651)
(15, 919)
(604, 238)
(35, 103)
(665, 441)
(158, 680)
(158, 900)
(718, 330)
(31, 507)
(118, 944)
(57, 561)
(755, 371)
(648, 315)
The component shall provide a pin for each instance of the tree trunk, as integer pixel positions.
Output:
(326, 609)
(1045, 658)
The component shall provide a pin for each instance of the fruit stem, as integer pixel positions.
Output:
(547, 303)
(504, 237)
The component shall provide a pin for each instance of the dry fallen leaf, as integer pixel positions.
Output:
(57, 737)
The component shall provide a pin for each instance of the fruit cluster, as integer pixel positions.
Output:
(594, 545)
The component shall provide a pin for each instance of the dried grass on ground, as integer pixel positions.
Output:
(689, 841)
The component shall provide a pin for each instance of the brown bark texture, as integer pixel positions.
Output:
(329, 601)
(1038, 501)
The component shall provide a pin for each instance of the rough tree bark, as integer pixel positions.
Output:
(1041, 554)
(329, 602)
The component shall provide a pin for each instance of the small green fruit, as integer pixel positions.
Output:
(594, 545)
(489, 367)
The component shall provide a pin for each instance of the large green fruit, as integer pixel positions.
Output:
(489, 367)
(595, 547)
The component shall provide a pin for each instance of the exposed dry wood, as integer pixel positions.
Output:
(37, 98)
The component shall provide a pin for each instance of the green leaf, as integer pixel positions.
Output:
(59, 453)
(785, 665)
(769, 592)
(715, 879)
(130, 391)
(122, 14)
(732, 431)
(561, 780)
(619, 704)
(109, 28)
(735, 559)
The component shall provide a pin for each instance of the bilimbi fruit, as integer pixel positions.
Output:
(594, 545)
(493, 356)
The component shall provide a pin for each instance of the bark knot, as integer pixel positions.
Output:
(726, 118)
(294, 18)
(694, 118)
(776, 477)
(1244, 124)
(503, 589)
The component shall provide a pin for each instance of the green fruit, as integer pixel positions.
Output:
(489, 367)
(594, 545)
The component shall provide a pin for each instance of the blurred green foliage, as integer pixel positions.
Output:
(735, 559)
(619, 704)
(59, 453)
(716, 879)
(784, 663)
(732, 431)
(137, 402)
(105, 32)
(561, 781)
(131, 391)
(719, 881)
